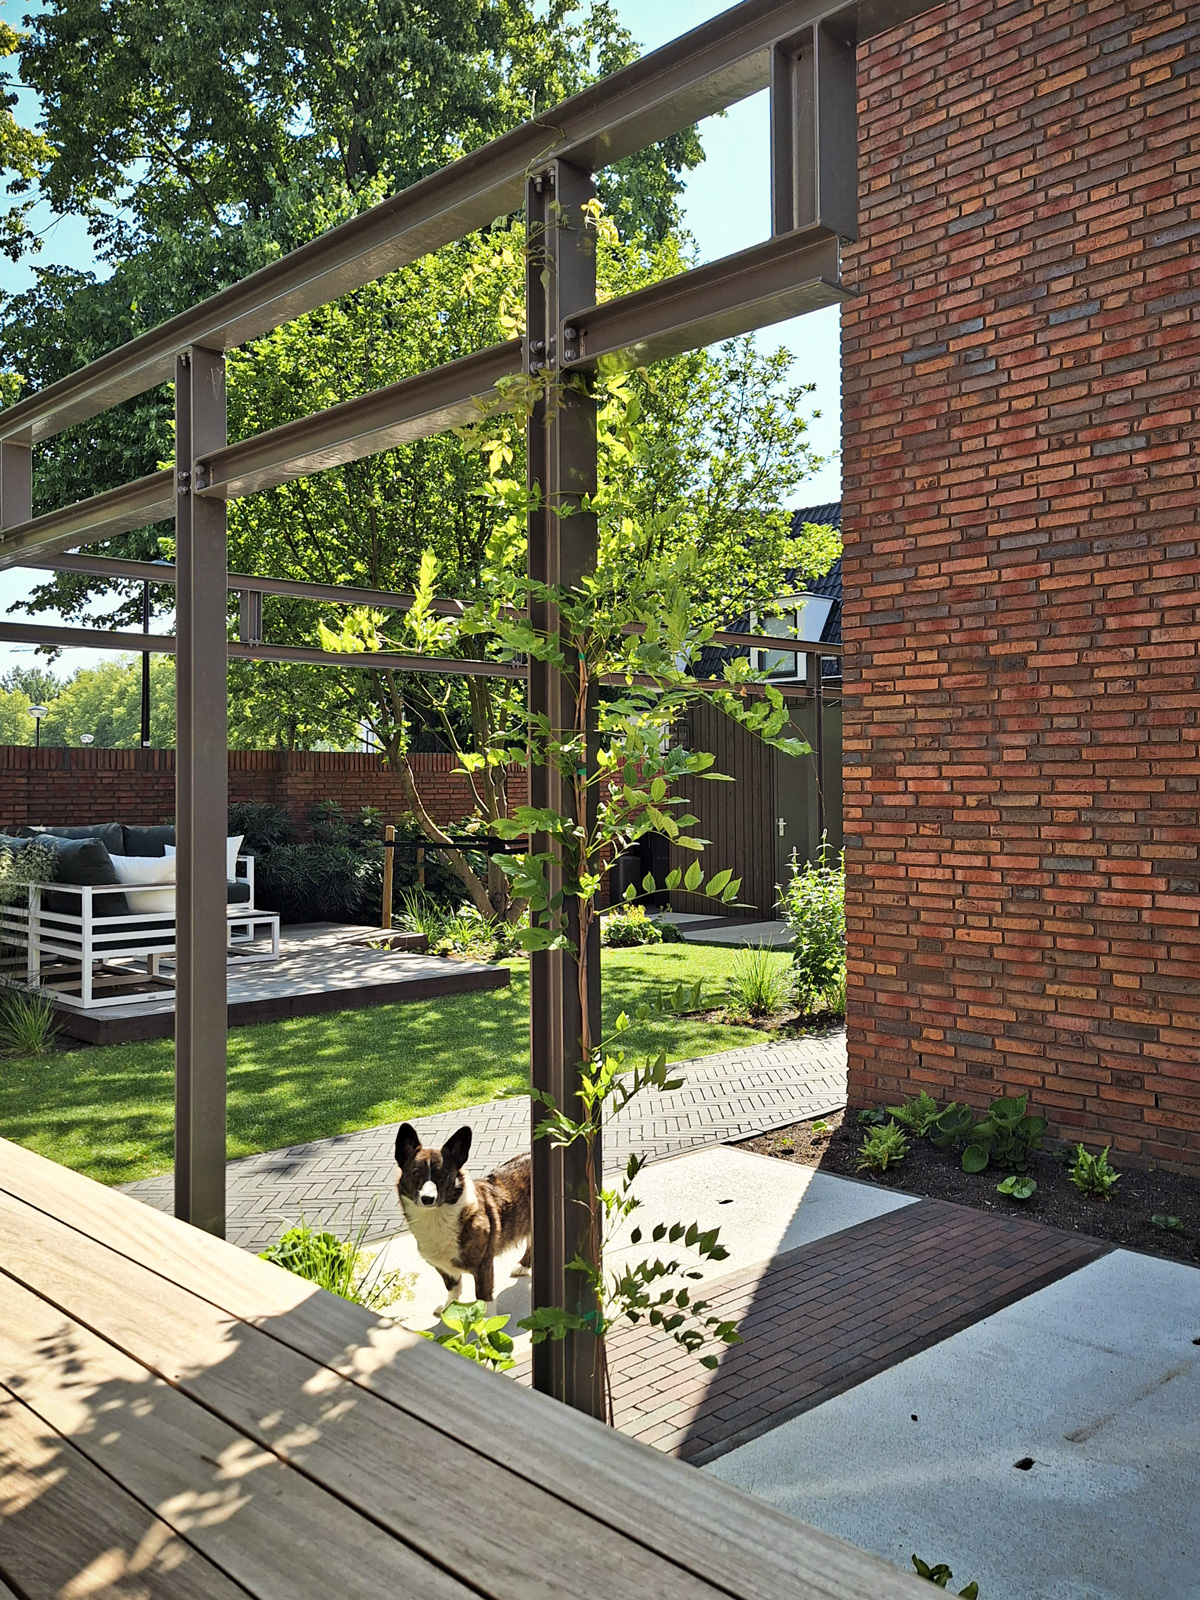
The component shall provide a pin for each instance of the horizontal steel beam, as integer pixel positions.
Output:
(163, 572)
(372, 660)
(414, 408)
(115, 569)
(164, 644)
(769, 283)
(134, 505)
(700, 73)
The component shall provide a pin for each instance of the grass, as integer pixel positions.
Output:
(109, 1112)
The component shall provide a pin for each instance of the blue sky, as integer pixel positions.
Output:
(727, 208)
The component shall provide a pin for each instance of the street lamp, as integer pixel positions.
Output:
(86, 738)
(37, 713)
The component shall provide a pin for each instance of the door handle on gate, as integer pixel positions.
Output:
(781, 824)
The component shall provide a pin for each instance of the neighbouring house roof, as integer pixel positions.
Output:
(830, 585)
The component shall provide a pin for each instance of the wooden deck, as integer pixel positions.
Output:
(181, 1421)
(324, 966)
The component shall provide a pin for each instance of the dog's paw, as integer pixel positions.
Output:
(520, 1271)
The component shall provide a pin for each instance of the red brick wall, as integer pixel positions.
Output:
(138, 786)
(1022, 437)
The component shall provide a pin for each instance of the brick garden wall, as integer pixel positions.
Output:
(1022, 443)
(138, 786)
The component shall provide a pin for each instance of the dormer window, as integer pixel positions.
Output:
(801, 616)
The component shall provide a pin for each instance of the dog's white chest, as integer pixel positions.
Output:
(436, 1228)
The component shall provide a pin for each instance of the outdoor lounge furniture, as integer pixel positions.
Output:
(95, 938)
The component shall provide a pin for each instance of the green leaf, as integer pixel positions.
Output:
(693, 877)
(975, 1158)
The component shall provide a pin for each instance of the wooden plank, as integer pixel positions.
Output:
(67, 1529)
(506, 1537)
(265, 1525)
(736, 1542)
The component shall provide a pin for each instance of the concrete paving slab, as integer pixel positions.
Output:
(1094, 1380)
(762, 1207)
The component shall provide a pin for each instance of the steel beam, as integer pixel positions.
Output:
(62, 638)
(564, 1008)
(134, 505)
(769, 283)
(201, 799)
(814, 131)
(700, 73)
(115, 569)
(414, 408)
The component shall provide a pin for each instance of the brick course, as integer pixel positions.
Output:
(138, 786)
(1021, 419)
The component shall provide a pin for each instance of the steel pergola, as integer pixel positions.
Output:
(805, 51)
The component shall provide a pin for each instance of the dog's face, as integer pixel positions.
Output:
(431, 1177)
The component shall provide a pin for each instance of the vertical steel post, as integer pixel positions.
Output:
(816, 684)
(814, 131)
(146, 668)
(560, 281)
(201, 796)
(389, 870)
(16, 483)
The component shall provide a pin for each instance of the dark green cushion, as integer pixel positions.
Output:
(84, 861)
(12, 844)
(110, 835)
(238, 892)
(147, 841)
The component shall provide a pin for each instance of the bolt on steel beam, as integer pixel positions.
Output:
(201, 799)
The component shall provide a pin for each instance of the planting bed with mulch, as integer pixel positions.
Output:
(831, 1143)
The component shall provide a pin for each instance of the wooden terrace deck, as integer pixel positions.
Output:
(179, 1419)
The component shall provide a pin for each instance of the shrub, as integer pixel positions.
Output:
(758, 986)
(1007, 1136)
(814, 907)
(471, 1333)
(882, 1148)
(339, 1265)
(629, 926)
(27, 1026)
(835, 995)
(1092, 1175)
(941, 1576)
(671, 933)
(916, 1115)
(1018, 1187)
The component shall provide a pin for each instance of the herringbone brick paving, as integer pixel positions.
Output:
(347, 1180)
(820, 1319)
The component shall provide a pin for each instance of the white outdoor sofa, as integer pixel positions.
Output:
(61, 939)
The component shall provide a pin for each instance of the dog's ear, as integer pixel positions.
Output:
(407, 1143)
(457, 1148)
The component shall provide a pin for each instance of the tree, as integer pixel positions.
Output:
(16, 725)
(24, 155)
(106, 701)
(36, 683)
(201, 143)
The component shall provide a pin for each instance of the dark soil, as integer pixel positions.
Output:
(789, 1023)
(831, 1143)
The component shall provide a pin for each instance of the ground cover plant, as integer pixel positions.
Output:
(1092, 1175)
(108, 1111)
(628, 926)
(340, 1265)
(759, 984)
(1155, 1211)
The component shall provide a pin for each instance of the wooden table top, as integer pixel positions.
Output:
(179, 1419)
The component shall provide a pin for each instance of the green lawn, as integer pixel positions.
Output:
(109, 1112)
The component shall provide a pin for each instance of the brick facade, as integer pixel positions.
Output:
(138, 786)
(1022, 427)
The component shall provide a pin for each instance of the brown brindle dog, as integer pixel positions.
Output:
(460, 1225)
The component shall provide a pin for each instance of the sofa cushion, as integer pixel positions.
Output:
(237, 892)
(147, 841)
(12, 843)
(139, 870)
(110, 834)
(83, 861)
